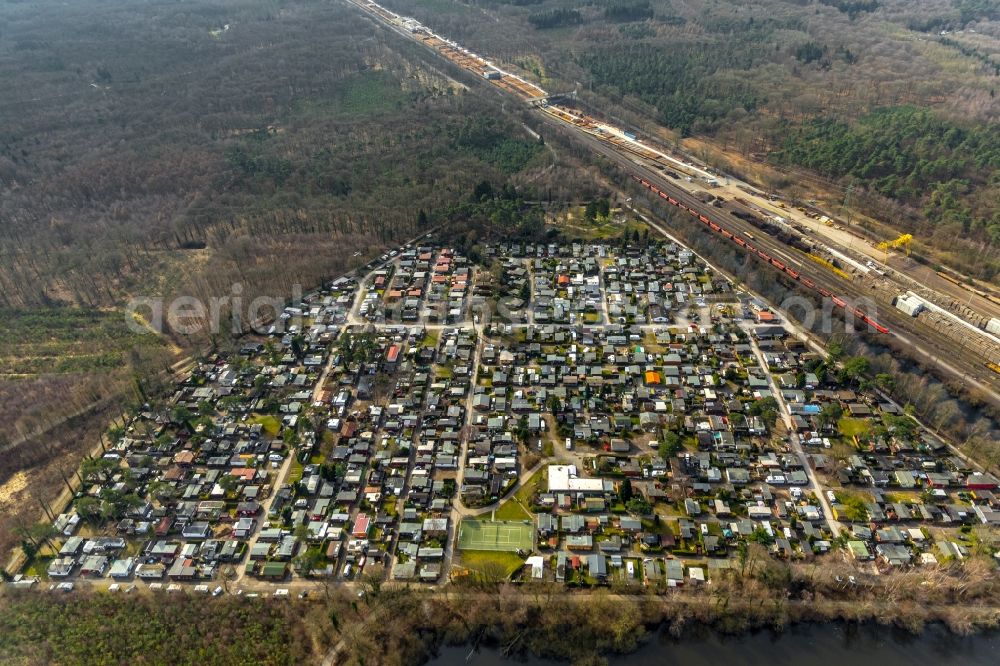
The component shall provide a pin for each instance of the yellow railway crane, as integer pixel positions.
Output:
(902, 242)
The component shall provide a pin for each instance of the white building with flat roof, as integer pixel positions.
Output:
(564, 479)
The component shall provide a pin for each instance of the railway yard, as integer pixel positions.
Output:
(628, 417)
(953, 330)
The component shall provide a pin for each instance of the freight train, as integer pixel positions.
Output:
(787, 270)
(786, 236)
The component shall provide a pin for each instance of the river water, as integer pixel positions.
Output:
(804, 645)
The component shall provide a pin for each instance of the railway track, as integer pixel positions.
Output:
(797, 267)
(781, 260)
(638, 160)
(926, 344)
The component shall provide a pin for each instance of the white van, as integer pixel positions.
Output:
(569, 444)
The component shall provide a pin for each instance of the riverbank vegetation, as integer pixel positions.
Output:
(760, 591)
(146, 629)
(396, 625)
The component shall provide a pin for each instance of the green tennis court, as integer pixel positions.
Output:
(495, 535)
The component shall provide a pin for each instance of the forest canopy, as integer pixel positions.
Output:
(136, 629)
(678, 81)
(771, 89)
(182, 149)
(909, 154)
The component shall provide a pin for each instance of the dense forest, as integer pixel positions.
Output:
(183, 149)
(628, 10)
(136, 167)
(679, 81)
(144, 629)
(554, 18)
(912, 155)
(491, 214)
(491, 142)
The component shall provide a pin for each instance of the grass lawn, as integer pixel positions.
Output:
(854, 504)
(516, 507)
(662, 527)
(529, 488)
(483, 560)
(511, 510)
(850, 427)
(38, 567)
(270, 423)
(295, 473)
(903, 496)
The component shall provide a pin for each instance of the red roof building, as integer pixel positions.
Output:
(362, 524)
(393, 354)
